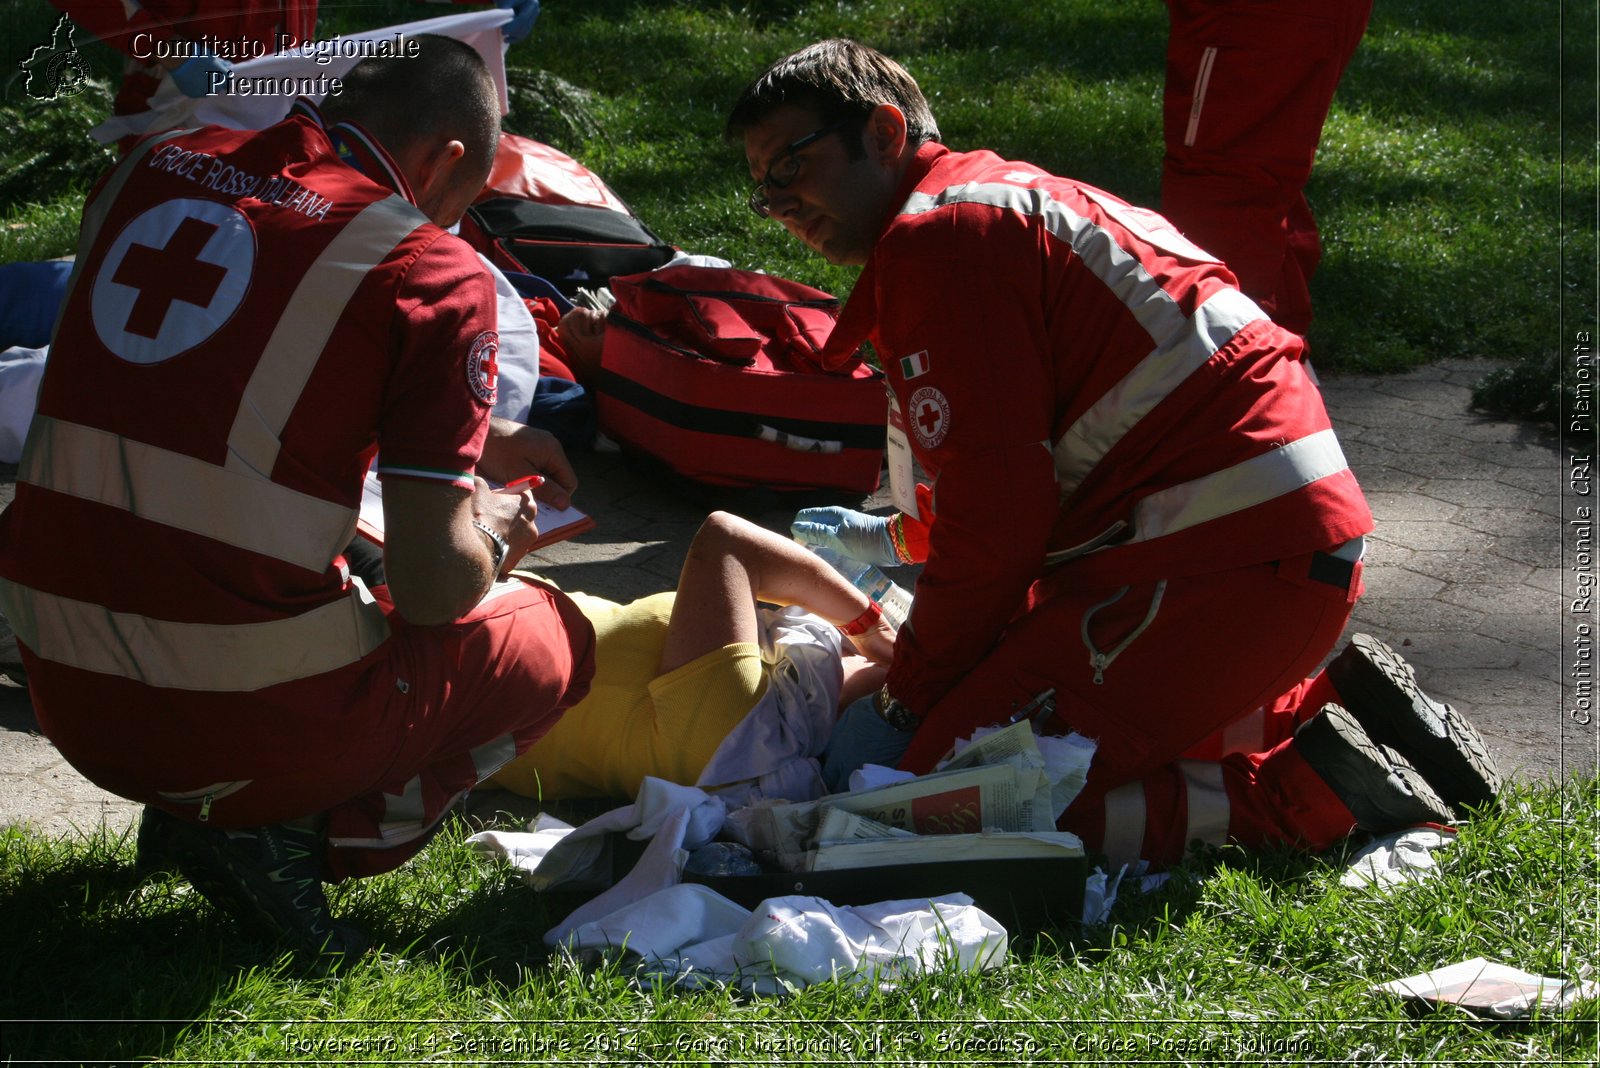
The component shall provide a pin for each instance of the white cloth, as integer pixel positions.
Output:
(20, 372)
(773, 750)
(692, 935)
(1402, 857)
(552, 854)
(517, 359)
(169, 109)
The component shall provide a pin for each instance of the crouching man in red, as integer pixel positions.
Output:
(1137, 502)
(254, 315)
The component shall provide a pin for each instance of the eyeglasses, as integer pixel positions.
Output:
(785, 168)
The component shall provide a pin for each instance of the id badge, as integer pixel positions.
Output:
(902, 471)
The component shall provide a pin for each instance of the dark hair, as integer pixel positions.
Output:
(437, 86)
(838, 79)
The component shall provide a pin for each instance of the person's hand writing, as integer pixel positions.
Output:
(514, 514)
(513, 451)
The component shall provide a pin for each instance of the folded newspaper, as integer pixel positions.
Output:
(993, 801)
(1483, 987)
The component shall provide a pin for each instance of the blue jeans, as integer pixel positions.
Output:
(860, 737)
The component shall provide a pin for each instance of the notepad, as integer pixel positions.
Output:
(554, 524)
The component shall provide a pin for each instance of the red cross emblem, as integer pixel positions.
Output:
(163, 275)
(172, 278)
(483, 367)
(930, 416)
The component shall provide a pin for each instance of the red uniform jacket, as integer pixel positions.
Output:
(1095, 401)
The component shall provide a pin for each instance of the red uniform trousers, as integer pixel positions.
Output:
(1248, 87)
(435, 711)
(1191, 668)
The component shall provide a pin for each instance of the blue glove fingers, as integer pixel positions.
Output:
(861, 737)
(202, 75)
(523, 15)
(856, 534)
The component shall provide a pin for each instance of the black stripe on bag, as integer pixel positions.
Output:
(734, 424)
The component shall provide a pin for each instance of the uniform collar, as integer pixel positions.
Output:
(860, 313)
(358, 148)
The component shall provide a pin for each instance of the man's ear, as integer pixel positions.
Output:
(885, 133)
(436, 167)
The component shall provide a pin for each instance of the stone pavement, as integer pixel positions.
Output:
(1464, 576)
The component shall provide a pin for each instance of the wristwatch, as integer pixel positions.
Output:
(896, 714)
(497, 545)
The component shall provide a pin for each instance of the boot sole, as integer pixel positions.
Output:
(1380, 690)
(1339, 750)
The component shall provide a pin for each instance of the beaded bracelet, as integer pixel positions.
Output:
(866, 619)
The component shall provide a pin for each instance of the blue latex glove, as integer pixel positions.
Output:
(194, 76)
(856, 534)
(861, 737)
(523, 15)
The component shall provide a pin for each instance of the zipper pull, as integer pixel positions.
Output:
(1099, 661)
(205, 807)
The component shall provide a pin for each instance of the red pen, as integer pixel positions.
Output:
(531, 481)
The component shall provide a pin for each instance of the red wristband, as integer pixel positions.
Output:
(866, 619)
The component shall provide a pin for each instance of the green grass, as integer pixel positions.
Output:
(1456, 184)
(1238, 960)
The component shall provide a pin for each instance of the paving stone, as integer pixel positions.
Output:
(1396, 618)
(1413, 534)
(1480, 493)
(1525, 454)
(1467, 566)
(1507, 599)
(1391, 582)
(1413, 506)
(1384, 553)
(1435, 464)
(1542, 552)
(1505, 522)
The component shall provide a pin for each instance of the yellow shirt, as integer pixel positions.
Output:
(635, 723)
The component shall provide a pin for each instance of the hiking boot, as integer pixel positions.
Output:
(268, 879)
(1379, 787)
(1380, 689)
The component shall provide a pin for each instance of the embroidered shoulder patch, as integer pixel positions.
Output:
(483, 371)
(929, 414)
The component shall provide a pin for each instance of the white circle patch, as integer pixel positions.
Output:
(929, 415)
(171, 279)
(483, 369)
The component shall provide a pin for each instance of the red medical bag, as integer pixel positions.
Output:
(716, 373)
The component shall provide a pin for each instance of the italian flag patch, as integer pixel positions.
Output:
(914, 365)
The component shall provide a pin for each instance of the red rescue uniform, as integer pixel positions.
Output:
(249, 320)
(1248, 87)
(1137, 496)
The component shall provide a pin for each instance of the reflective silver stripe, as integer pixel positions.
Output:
(1150, 382)
(403, 819)
(1202, 82)
(1247, 734)
(1244, 485)
(303, 329)
(1125, 819)
(195, 656)
(492, 756)
(1181, 343)
(1207, 802)
(1352, 550)
(95, 212)
(182, 491)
